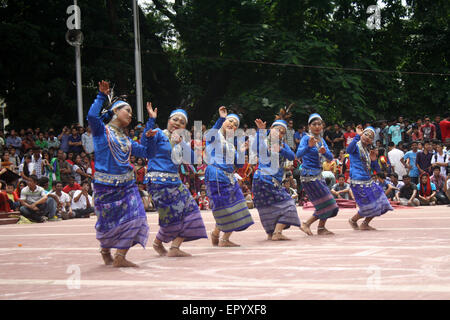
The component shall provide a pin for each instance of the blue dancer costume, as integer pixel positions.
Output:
(179, 214)
(368, 195)
(227, 201)
(121, 219)
(273, 202)
(311, 176)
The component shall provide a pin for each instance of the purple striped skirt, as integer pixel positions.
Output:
(371, 200)
(322, 199)
(121, 219)
(179, 215)
(274, 206)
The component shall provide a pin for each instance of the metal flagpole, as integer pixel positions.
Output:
(137, 62)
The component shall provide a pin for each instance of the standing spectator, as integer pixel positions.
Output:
(441, 159)
(63, 205)
(438, 180)
(428, 130)
(437, 121)
(14, 140)
(395, 131)
(290, 135)
(445, 128)
(385, 133)
(341, 190)
(64, 138)
(75, 144)
(35, 205)
(427, 190)
(52, 141)
(337, 138)
(36, 162)
(395, 156)
(87, 141)
(350, 134)
(407, 193)
(41, 142)
(28, 143)
(415, 133)
(423, 160)
(298, 135)
(82, 205)
(409, 161)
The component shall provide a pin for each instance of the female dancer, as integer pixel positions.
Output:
(179, 216)
(312, 149)
(226, 198)
(369, 196)
(276, 207)
(122, 221)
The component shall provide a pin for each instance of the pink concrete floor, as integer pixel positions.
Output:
(408, 257)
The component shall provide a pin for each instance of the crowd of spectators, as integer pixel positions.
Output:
(47, 175)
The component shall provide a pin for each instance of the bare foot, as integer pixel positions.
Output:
(324, 232)
(121, 262)
(269, 236)
(278, 236)
(176, 252)
(107, 257)
(227, 243)
(366, 227)
(160, 249)
(214, 239)
(305, 228)
(353, 224)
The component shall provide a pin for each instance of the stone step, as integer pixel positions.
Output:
(7, 214)
(8, 221)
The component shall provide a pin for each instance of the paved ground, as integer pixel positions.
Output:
(407, 258)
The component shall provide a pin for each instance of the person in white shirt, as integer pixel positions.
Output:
(441, 159)
(87, 141)
(35, 204)
(82, 205)
(395, 156)
(64, 202)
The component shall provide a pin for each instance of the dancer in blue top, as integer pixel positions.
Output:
(369, 196)
(179, 215)
(276, 208)
(312, 149)
(121, 219)
(227, 200)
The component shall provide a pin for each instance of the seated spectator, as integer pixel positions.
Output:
(407, 193)
(26, 167)
(22, 184)
(292, 192)
(35, 204)
(4, 200)
(72, 186)
(13, 199)
(82, 205)
(439, 180)
(330, 165)
(341, 190)
(427, 190)
(329, 178)
(140, 170)
(394, 194)
(146, 197)
(63, 205)
(203, 201)
(387, 187)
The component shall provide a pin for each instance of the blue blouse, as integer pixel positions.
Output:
(311, 165)
(265, 172)
(218, 169)
(159, 153)
(106, 163)
(358, 170)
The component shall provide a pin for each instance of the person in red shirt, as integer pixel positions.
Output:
(349, 135)
(428, 130)
(72, 186)
(445, 128)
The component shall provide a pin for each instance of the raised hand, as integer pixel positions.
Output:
(260, 124)
(223, 112)
(176, 138)
(322, 150)
(152, 113)
(103, 87)
(312, 141)
(373, 155)
(151, 133)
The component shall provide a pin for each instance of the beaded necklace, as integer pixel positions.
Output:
(120, 150)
